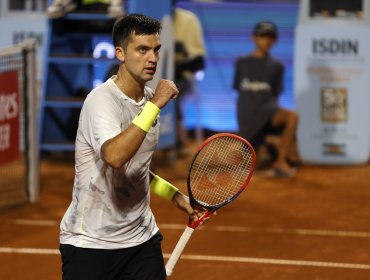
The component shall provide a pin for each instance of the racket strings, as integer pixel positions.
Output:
(220, 170)
(218, 190)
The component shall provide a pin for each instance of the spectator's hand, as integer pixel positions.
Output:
(165, 91)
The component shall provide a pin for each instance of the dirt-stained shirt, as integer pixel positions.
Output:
(110, 207)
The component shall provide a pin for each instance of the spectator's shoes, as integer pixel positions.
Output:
(115, 10)
(280, 173)
(59, 8)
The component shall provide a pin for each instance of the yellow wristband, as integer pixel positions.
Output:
(146, 116)
(162, 188)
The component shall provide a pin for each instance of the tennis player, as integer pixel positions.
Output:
(109, 231)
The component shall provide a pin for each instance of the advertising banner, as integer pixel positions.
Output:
(18, 27)
(9, 117)
(332, 74)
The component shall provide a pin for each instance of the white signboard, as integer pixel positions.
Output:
(332, 90)
(16, 28)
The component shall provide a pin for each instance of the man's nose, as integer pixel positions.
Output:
(153, 56)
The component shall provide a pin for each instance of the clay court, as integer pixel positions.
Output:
(314, 226)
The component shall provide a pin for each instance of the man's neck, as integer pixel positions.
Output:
(129, 86)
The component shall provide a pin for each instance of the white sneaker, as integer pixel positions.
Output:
(60, 7)
(115, 8)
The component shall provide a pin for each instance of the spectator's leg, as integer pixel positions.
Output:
(116, 9)
(259, 144)
(60, 7)
(289, 120)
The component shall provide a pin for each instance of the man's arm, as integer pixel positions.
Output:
(169, 192)
(121, 148)
(182, 202)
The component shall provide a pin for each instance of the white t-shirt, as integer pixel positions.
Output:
(110, 207)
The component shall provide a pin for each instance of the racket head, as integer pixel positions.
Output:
(220, 170)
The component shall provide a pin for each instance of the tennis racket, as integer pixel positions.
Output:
(220, 170)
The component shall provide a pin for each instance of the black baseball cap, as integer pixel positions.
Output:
(265, 28)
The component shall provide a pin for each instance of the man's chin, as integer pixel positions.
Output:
(148, 78)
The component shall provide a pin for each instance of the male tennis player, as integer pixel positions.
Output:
(109, 231)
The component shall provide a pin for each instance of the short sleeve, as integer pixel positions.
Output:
(103, 120)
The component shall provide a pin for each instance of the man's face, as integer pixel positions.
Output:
(264, 42)
(141, 56)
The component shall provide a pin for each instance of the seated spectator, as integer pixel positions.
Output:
(258, 78)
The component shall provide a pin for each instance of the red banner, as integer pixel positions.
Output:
(9, 117)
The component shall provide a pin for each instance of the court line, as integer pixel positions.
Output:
(316, 232)
(336, 233)
(34, 251)
(34, 222)
(275, 261)
(40, 251)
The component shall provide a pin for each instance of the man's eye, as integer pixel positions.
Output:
(142, 50)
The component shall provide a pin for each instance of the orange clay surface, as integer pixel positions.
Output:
(313, 226)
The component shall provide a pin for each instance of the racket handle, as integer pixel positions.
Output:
(178, 250)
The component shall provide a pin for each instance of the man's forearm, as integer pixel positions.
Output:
(121, 148)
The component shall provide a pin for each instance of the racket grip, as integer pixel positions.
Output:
(178, 250)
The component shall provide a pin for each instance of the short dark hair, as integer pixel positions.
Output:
(136, 24)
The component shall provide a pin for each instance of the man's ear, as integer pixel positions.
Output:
(120, 54)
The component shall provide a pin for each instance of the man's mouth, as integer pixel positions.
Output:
(150, 69)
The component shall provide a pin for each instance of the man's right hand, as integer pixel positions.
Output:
(165, 91)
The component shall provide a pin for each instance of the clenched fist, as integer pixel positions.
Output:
(165, 91)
